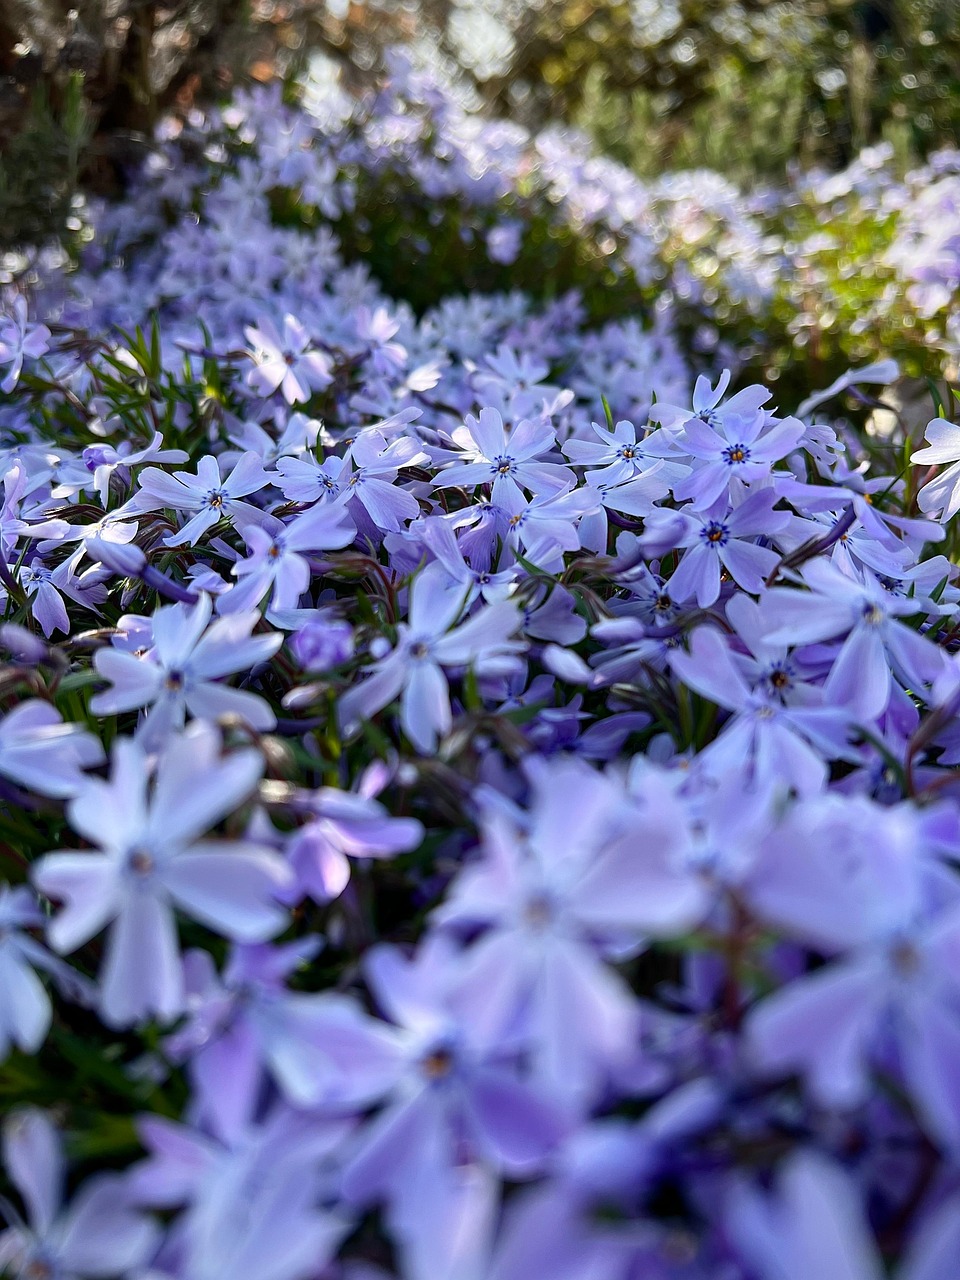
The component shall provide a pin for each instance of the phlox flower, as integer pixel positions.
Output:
(149, 857)
(101, 1233)
(743, 448)
(25, 1011)
(719, 538)
(772, 741)
(46, 587)
(507, 462)
(207, 494)
(242, 1026)
(275, 560)
(183, 669)
(322, 641)
(41, 752)
(345, 825)
(555, 891)
(450, 564)
(618, 454)
(426, 646)
(860, 881)
(102, 460)
(542, 528)
(255, 1202)
(941, 495)
(19, 340)
(709, 406)
(376, 328)
(854, 608)
(288, 363)
(813, 1225)
(364, 479)
(444, 1089)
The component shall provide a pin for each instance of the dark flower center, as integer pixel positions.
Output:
(437, 1064)
(905, 959)
(736, 453)
(140, 861)
(37, 1269)
(715, 533)
(538, 911)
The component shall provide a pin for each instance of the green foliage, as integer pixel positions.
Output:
(745, 86)
(40, 168)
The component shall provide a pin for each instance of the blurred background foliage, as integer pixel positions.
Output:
(747, 87)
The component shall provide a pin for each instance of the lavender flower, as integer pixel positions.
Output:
(182, 670)
(41, 752)
(149, 857)
(508, 464)
(208, 494)
(288, 363)
(20, 339)
(414, 669)
(101, 1233)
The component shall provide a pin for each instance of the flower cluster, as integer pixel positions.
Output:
(478, 804)
(410, 189)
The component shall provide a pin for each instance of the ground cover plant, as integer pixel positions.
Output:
(478, 769)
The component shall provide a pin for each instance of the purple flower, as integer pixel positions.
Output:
(275, 558)
(851, 877)
(183, 668)
(814, 1225)
(708, 405)
(543, 527)
(555, 892)
(244, 1025)
(414, 669)
(364, 479)
(619, 455)
(148, 858)
(211, 497)
(20, 339)
(346, 826)
(736, 448)
(100, 1234)
(46, 588)
(103, 460)
(942, 493)
(446, 1090)
(253, 1202)
(439, 538)
(25, 1011)
(41, 752)
(856, 609)
(771, 741)
(324, 641)
(719, 538)
(505, 462)
(288, 363)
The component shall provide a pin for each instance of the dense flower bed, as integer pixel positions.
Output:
(479, 793)
(431, 200)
